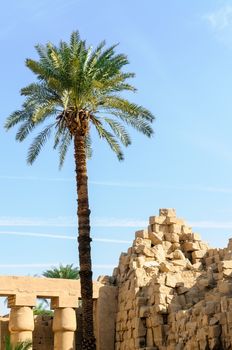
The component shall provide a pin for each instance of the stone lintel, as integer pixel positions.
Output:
(21, 299)
(63, 302)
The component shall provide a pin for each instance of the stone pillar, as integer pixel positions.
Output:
(105, 317)
(64, 326)
(21, 324)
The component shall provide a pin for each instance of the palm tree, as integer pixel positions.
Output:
(77, 89)
(63, 271)
(26, 345)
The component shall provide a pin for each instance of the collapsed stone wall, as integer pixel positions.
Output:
(174, 291)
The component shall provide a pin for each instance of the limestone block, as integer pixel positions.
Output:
(196, 236)
(140, 329)
(143, 249)
(160, 308)
(222, 318)
(171, 237)
(180, 263)
(141, 234)
(144, 311)
(209, 260)
(171, 280)
(203, 245)
(181, 300)
(190, 246)
(140, 343)
(165, 266)
(157, 220)
(167, 212)
(131, 314)
(181, 289)
(175, 246)
(175, 228)
(140, 261)
(160, 299)
(156, 238)
(197, 266)
(227, 272)
(129, 304)
(214, 331)
(159, 253)
(226, 264)
(214, 343)
(137, 242)
(224, 287)
(177, 254)
(21, 299)
(158, 334)
(159, 228)
(210, 308)
(186, 229)
(115, 272)
(133, 264)
(151, 264)
(167, 246)
(202, 283)
(198, 254)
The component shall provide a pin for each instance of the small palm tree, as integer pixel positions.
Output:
(40, 309)
(63, 271)
(26, 345)
(77, 89)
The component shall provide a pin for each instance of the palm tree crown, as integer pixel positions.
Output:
(78, 87)
(63, 271)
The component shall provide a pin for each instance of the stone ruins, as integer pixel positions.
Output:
(170, 291)
(57, 333)
(174, 292)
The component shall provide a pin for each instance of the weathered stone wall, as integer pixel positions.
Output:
(174, 292)
(42, 334)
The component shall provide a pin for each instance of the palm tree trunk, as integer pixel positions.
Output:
(84, 240)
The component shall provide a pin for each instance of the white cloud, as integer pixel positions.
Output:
(55, 236)
(118, 222)
(28, 265)
(35, 178)
(97, 222)
(71, 222)
(220, 19)
(13, 266)
(32, 221)
(220, 22)
(212, 224)
(68, 222)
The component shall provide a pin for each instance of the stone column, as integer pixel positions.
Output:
(21, 324)
(64, 326)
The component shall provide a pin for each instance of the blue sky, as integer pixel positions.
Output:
(181, 53)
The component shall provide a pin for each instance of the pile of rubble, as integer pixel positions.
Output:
(174, 291)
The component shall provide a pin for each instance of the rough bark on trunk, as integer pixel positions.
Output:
(84, 240)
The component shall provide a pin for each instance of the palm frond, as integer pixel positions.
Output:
(38, 143)
(25, 130)
(125, 107)
(15, 118)
(88, 146)
(119, 131)
(110, 139)
(64, 143)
